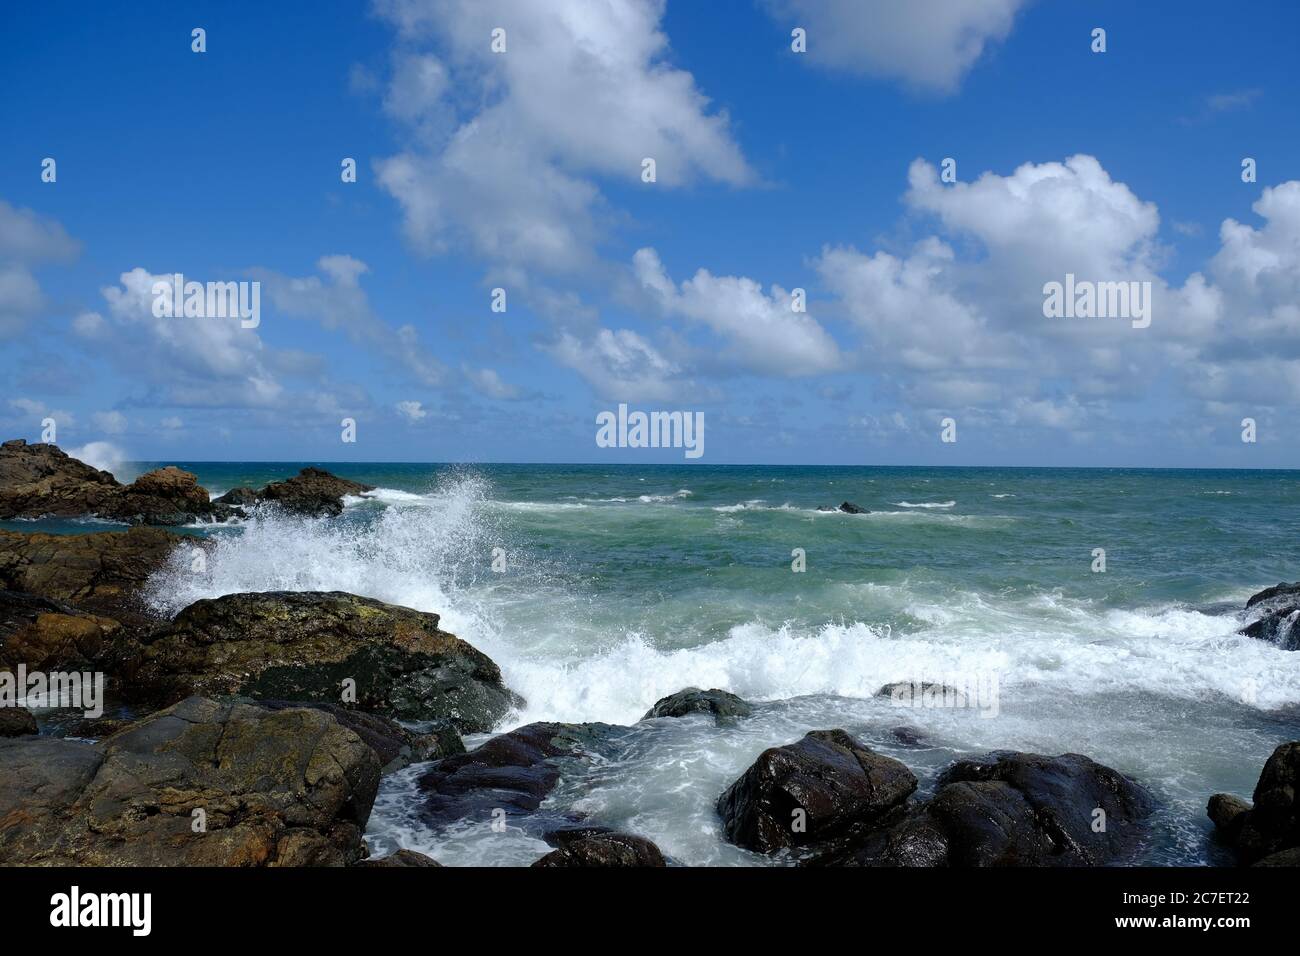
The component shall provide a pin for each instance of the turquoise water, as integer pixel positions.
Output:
(624, 584)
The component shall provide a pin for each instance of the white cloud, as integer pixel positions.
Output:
(26, 241)
(764, 333)
(620, 365)
(489, 383)
(928, 44)
(505, 145)
(411, 411)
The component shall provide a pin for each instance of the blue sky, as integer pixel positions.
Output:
(775, 170)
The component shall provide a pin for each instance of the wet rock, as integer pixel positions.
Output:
(276, 788)
(921, 693)
(835, 780)
(513, 772)
(849, 507)
(692, 700)
(165, 496)
(401, 858)
(314, 492)
(910, 737)
(16, 722)
(302, 646)
(242, 496)
(1278, 608)
(395, 746)
(48, 635)
(1013, 809)
(605, 849)
(102, 572)
(1272, 825)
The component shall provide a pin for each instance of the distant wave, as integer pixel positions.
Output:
(925, 504)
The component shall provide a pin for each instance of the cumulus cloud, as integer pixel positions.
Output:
(762, 331)
(412, 411)
(928, 44)
(620, 365)
(487, 382)
(506, 148)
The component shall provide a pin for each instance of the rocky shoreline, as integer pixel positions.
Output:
(258, 726)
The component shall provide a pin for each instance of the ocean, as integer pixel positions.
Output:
(614, 586)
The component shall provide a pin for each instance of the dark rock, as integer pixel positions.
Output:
(1272, 824)
(394, 745)
(165, 496)
(910, 737)
(833, 778)
(849, 507)
(401, 858)
(16, 722)
(1279, 620)
(605, 849)
(1013, 809)
(277, 788)
(302, 646)
(101, 572)
(48, 635)
(1289, 857)
(692, 700)
(314, 492)
(921, 693)
(238, 497)
(513, 772)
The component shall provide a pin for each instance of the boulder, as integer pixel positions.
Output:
(242, 496)
(1278, 608)
(165, 496)
(604, 849)
(692, 700)
(513, 772)
(47, 635)
(314, 492)
(835, 780)
(401, 858)
(276, 788)
(849, 507)
(1013, 809)
(16, 722)
(1272, 825)
(395, 746)
(102, 572)
(302, 646)
(922, 693)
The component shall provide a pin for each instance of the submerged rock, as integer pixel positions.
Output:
(1013, 809)
(810, 791)
(922, 693)
(513, 772)
(1272, 825)
(314, 492)
(16, 722)
(303, 646)
(275, 788)
(604, 849)
(102, 572)
(692, 700)
(1279, 620)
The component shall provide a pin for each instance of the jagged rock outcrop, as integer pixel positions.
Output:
(39, 480)
(313, 491)
(303, 646)
(202, 783)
